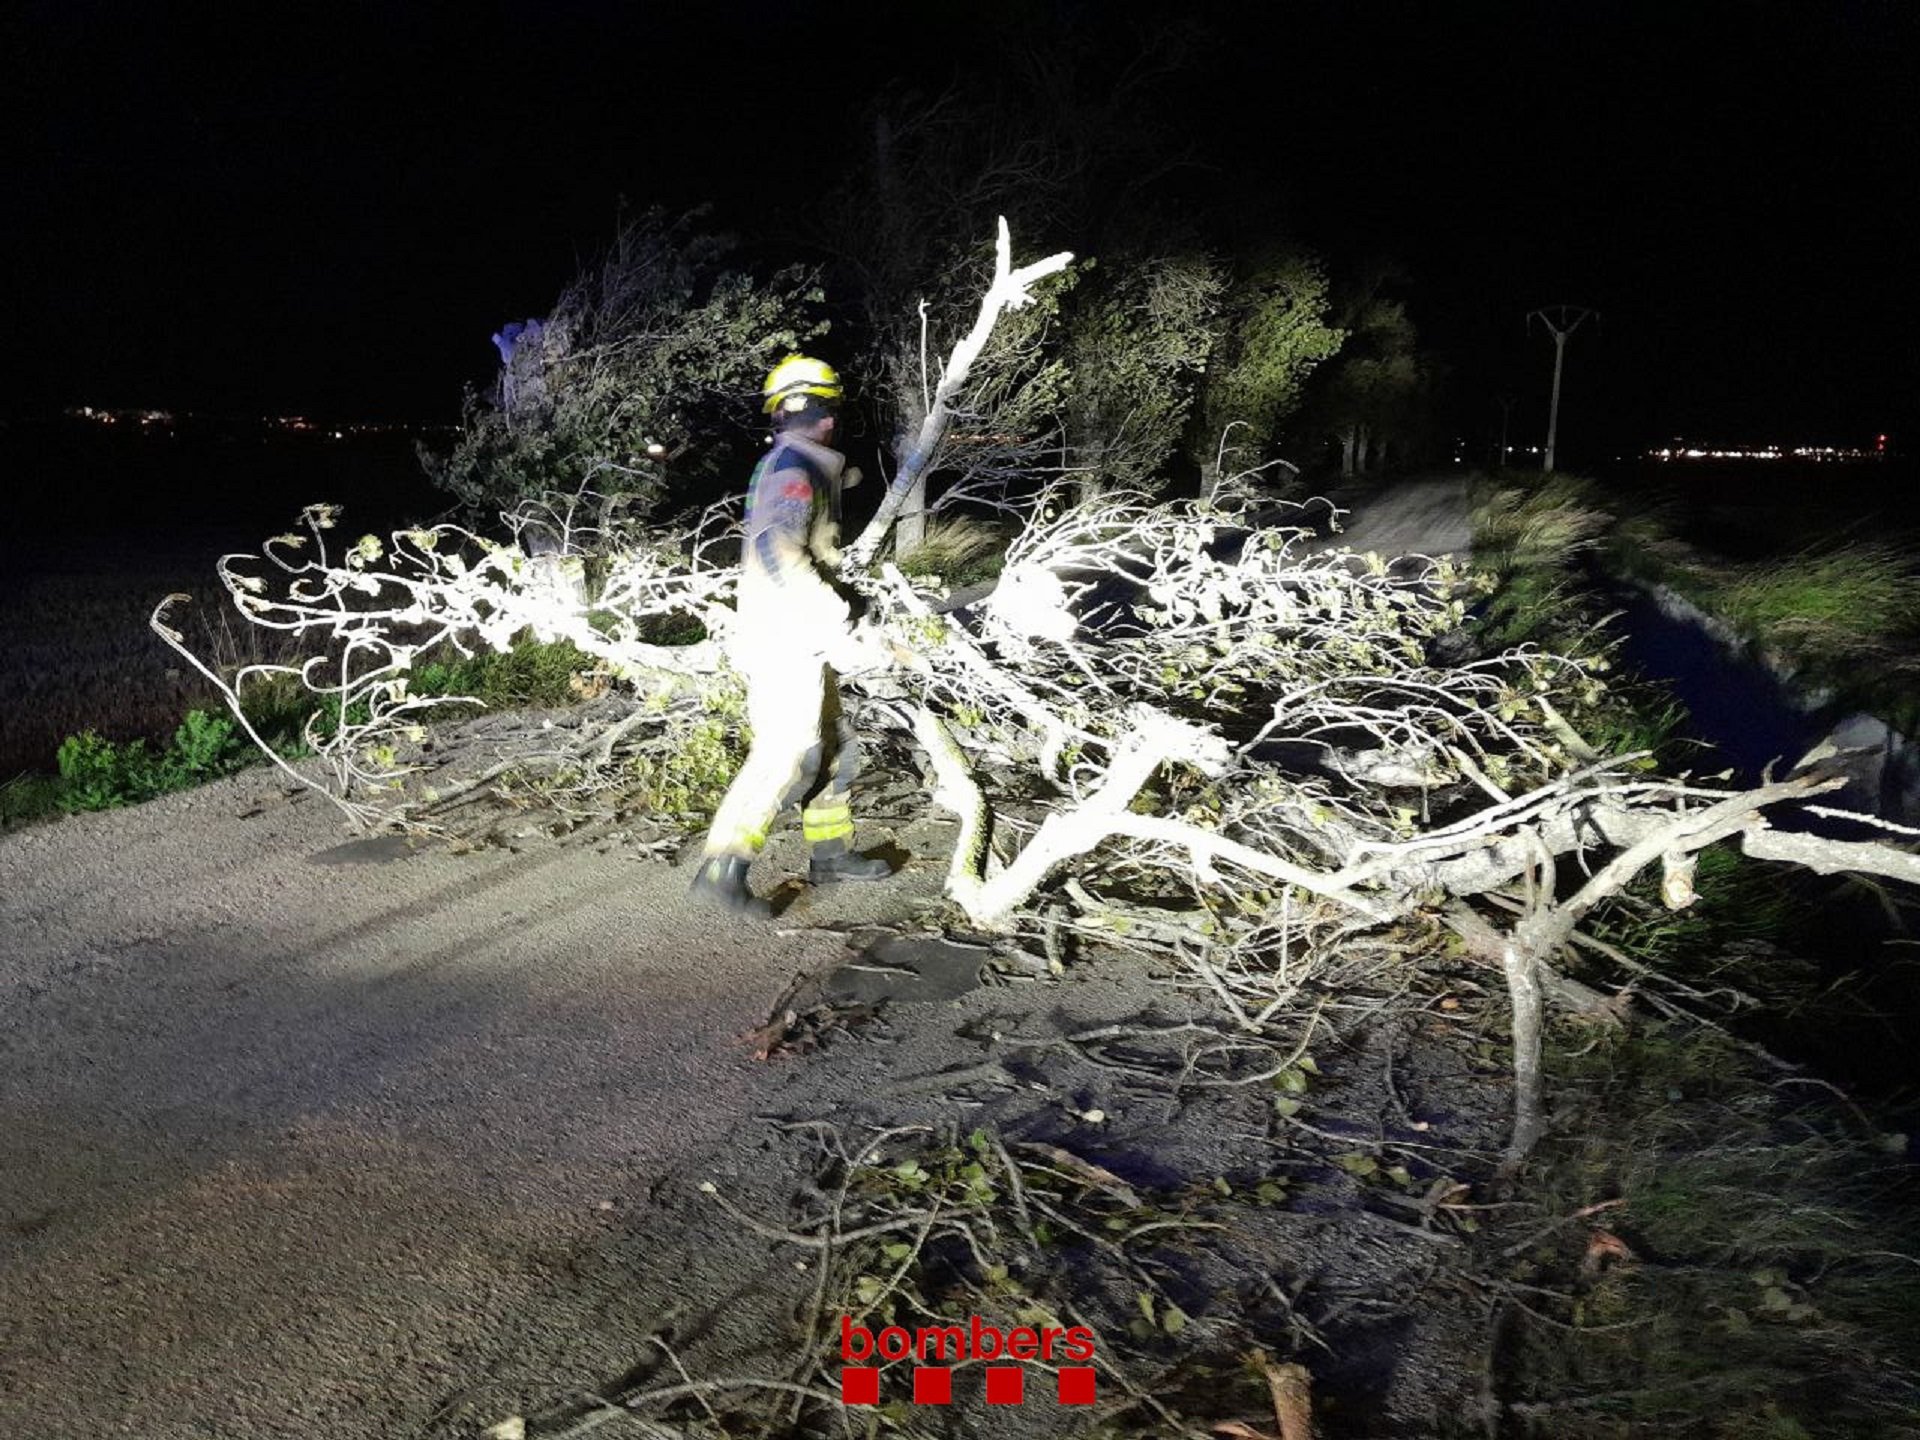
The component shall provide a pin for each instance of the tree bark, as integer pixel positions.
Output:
(911, 528)
(1522, 966)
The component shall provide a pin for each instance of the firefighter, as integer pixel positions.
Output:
(796, 628)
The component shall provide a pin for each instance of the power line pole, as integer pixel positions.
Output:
(1562, 320)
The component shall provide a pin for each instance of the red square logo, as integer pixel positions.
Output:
(1076, 1385)
(1004, 1384)
(859, 1387)
(932, 1386)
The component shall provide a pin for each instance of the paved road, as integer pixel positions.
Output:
(1411, 517)
(283, 1140)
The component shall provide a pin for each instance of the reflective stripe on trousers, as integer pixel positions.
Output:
(803, 750)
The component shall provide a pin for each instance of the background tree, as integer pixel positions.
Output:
(1137, 334)
(1066, 146)
(906, 235)
(1378, 393)
(1273, 337)
(647, 367)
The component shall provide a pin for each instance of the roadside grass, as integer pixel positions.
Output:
(1543, 526)
(961, 551)
(1842, 615)
(95, 772)
(1754, 1268)
(1740, 902)
(1530, 547)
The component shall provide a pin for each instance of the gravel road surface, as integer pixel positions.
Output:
(291, 1124)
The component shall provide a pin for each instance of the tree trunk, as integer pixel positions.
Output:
(1347, 440)
(1522, 966)
(1366, 439)
(1209, 479)
(911, 529)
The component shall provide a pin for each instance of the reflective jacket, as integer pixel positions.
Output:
(789, 609)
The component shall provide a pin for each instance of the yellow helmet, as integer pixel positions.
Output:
(794, 379)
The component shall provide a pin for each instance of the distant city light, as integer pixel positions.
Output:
(148, 421)
(1682, 451)
(150, 418)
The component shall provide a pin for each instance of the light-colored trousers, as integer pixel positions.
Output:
(803, 753)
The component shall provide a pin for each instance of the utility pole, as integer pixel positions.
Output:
(1562, 320)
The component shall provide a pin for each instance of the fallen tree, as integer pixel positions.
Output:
(1234, 747)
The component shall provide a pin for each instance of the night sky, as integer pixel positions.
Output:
(329, 208)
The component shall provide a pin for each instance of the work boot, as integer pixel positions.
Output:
(722, 881)
(832, 862)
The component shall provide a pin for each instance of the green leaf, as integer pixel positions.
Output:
(1283, 1106)
(1354, 1163)
(1400, 1175)
(897, 1251)
(1221, 1187)
(1145, 1301)
(1270, 1192)
(1173, 1320)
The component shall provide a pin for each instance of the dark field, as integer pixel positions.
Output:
(103, 528)
(1752, 509)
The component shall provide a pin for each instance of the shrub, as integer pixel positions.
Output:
(531, 673)
(98, 774)
(959, 551)
(681, 779)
